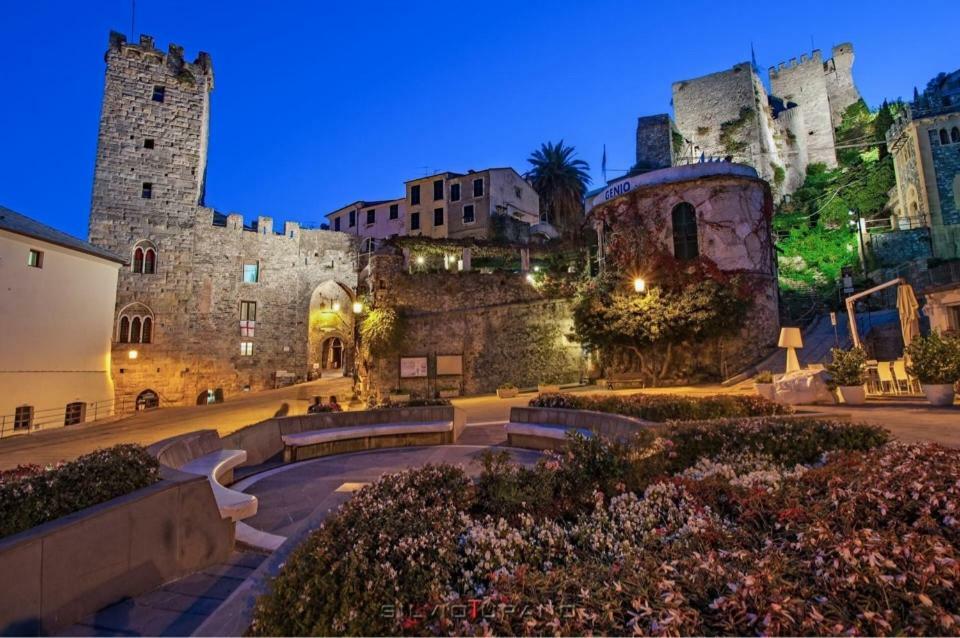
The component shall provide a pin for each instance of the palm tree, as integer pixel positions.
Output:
(561, 181)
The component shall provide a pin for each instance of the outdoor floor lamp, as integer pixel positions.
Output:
(791, 340)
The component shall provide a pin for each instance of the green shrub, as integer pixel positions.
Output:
(848, 367)
(31, 496)
(934, 359)
(665, 407)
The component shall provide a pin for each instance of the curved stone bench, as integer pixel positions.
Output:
(547, 428)
(340, 440)
(202, 452)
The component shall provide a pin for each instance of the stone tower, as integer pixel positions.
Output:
(152, 145)
(804, 83)
(841, 90)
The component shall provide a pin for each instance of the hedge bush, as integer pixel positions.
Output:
(773, 526)
(31, 495)
(666, 407)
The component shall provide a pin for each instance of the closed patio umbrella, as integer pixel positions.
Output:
(908, 308)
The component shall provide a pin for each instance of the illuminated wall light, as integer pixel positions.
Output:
(420, 260)
(357, 307)
(336, 306)
(639, 285)
(530, 279)
(132, 354)
(536, 269)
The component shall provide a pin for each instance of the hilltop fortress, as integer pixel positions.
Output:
(729, 114)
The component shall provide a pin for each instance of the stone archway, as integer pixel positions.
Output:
(330, 323)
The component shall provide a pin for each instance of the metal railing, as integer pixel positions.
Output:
(47, 418)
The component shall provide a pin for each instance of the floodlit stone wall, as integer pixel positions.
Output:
(194, 295)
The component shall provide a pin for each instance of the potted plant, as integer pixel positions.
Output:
(548, 388)
(399, 396)
(935, 361)
(507, 391)
(763, 383)
(848, 373)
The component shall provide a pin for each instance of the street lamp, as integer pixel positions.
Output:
(357, 307)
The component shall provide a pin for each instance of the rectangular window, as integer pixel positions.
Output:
(438, 217)
(148, 143)
(437, 190)
(336, 224)
(246, 348)
(35, 258)
(251, 272)
(454, 192)
(371, 217)
(147, 191)
(23, 417)
(248, 318)
(468, 217)
(74, 413)
(159, 93)
(414, 221)
(353, 219)
(478, 187)
(415, 195)
(394, 211)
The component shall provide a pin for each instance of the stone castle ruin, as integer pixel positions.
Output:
(207, 305)
(729, 114)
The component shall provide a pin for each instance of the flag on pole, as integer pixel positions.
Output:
(603, 164)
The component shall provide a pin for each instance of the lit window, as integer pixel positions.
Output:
(148, 143)
(246, 348)
(438, 217)
(438, 190)
(147, 191)
(478, 187)
(468, 217)
(414, 221)
(35, 258)
(394, 211)
(159, 93)
(23, 417)
(371, 216)
(336, 224)
(454, 192)
(248, 318)
(251, 272)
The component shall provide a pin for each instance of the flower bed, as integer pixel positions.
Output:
(785, 527)
(665, 407)
(31, 495)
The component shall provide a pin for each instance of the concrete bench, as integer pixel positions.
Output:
(218, 466)
(202, 453)
(329, 441)
(541, 436)
(622, 382)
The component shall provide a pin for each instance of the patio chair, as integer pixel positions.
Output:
(904, 380)
(886, 378)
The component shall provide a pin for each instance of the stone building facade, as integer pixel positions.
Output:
(208, 305)
(731, 215)
(730, 114)
(504, 329)
(925, 144)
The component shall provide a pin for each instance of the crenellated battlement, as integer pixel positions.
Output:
(815, 57)
(201, 67)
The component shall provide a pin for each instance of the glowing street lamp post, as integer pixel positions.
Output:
(357, 311)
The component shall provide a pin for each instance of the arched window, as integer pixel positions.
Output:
(149, 261)
(144, 258)
(955, 135)
(147, 330)
(135, 330)
(685, 244)
(124, 330)
(944, 137)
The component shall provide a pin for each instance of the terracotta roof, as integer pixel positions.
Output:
(14, 222)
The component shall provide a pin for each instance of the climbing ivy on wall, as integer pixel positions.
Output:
(381, 331)
(730, 130)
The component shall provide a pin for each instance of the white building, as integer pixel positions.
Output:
(57, 296)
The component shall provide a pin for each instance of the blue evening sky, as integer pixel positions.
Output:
(318, 104)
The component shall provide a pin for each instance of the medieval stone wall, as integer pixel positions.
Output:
(506, 329)
(805, 84)
(654, 142)
(193, 296)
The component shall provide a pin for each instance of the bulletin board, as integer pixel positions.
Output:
(413, 367)
(449, 364)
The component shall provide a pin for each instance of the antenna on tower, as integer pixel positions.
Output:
(133, 19)
(812, 47)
